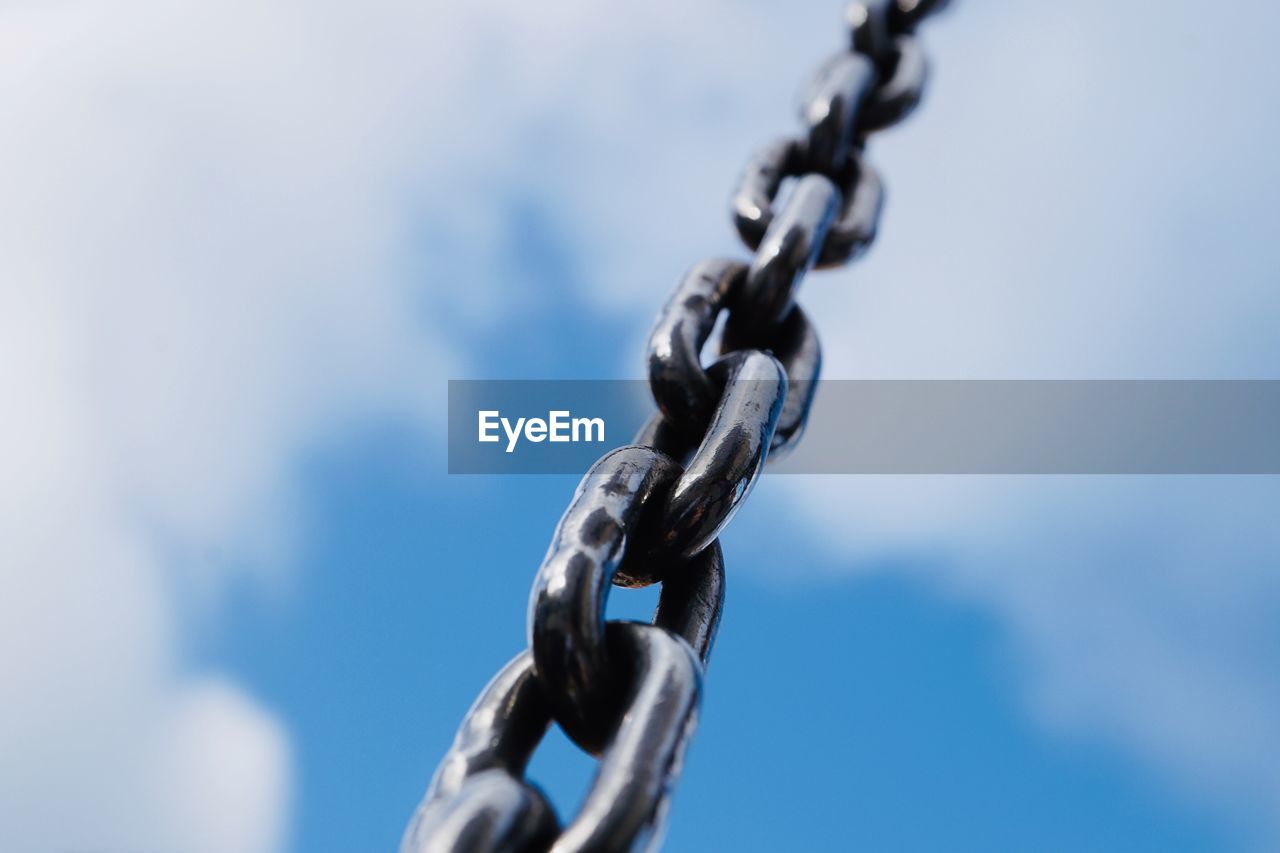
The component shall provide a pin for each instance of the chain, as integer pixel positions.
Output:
(651, 512)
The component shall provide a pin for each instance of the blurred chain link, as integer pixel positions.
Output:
(651, 512)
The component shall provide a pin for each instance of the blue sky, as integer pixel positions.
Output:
(867, 710)
(246, 244)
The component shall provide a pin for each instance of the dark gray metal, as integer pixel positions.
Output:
(567, 605)
(853, 230)
(789, 250)
(752, 203)
(898, 95)
(727, 464)
(478, 800)
(491, 811)
(501, 730)
(905, 15)
(626, 808)
(830, 108)
(660, 434)
(626, 691)
(795, 344)
(692, 600)
(685, 394)
(871, 26)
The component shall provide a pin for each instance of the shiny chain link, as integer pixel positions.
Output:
(651, 512)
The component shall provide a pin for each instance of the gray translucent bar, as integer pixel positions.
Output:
(923, 427)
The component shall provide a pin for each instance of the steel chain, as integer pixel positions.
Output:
(651, 512)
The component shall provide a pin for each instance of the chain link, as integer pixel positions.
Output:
(651, 512)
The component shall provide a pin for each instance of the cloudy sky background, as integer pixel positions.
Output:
(242, 245)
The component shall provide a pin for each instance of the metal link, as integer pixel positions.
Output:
(871, 27)
(795, 344)
(477, 800)
(854, 229)
(626, 808)
(905, 15)
(660, 434)
(752, 203)
(830, 109)
(727, 463)
(567, 605)
(482, 804)
(901, 92)
(789, 250)
(629, 692)
(500, 731)
(492, 811)
(692, 600)
(684, 392)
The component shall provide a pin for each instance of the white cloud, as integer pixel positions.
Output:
(197, 283)
(1079, 200)
(226, 232)
(1087, 192)
(227, 228)
(1142, 610)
